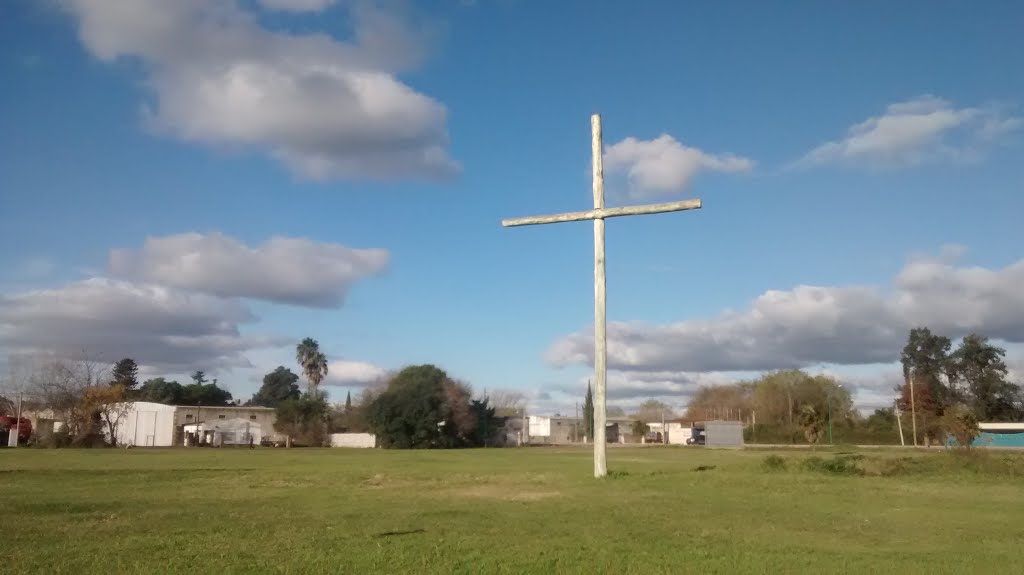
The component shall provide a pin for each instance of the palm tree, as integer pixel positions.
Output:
(313, 363)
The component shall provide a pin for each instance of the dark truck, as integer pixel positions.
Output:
(697, 436)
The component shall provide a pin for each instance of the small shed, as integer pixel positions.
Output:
(723, 434)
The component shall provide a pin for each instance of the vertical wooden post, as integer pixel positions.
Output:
(600, 310)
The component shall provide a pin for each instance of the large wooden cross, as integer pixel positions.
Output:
(599, 214)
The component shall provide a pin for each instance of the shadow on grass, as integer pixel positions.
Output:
(396, 533)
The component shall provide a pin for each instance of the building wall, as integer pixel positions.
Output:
(561, 430)
(364, 440)
(147, 425)
(539, 426)
(723, 434)
(262, 416)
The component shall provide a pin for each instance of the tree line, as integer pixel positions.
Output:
(944, 388)
(91, 398)
(417, 407)
(945, 391)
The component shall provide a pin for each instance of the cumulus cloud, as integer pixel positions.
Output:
(327, 109)
(923, 129)
(808, 325)
(664, 164)
(349, 373)
(109, 319)
(284, 270)
(665, 385)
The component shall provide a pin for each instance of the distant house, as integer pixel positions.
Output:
(561, 430)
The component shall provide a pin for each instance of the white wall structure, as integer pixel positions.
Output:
(539, 426)
(677, 432)
(723, 434)
(147, 425)
(365, 440)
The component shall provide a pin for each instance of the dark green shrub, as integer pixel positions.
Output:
(843, 465)
(774, 463)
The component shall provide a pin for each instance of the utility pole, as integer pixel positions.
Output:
(17, 422)
(913, 408)
(899, 423)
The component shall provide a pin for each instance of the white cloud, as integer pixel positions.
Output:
(343, 372)
(665, 165)
(108, 319)
(913, 132)
(297, 5)
(325, 108)
(285, 270)
(810, 325)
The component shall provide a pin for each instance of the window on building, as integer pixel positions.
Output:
(221, 416)
(252, 417)
(188, 416)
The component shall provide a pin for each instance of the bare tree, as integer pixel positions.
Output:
(109, 403)
(506, 402)
(60, 384)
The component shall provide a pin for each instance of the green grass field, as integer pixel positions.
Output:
(537, 510)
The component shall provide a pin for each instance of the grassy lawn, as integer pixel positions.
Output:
(535, 510)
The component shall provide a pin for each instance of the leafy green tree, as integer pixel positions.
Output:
(960, 422)
(348, 402)
(422, 407)
(978, 367)
(126, 374)
(588, 413)
(882, 420)
(486, 424)
(313, 363)
(159, 390)
(639, 428)
(925, 358)
(302, 420)
(812, 421)
(204, 394)
(278, 385)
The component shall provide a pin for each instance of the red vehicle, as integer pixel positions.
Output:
(8, 423)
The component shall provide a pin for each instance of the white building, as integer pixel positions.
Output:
(148, 424)
(677, 432)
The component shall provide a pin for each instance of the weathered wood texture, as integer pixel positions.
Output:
(600, 316)
(603, 213)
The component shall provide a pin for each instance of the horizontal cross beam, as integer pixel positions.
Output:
(603, 213)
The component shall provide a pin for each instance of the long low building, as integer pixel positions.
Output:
(559, 430)
(147, 424)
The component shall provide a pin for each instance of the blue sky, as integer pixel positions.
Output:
(870, 150)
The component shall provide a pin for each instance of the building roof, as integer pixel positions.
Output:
(150, 406)
(229, 407)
